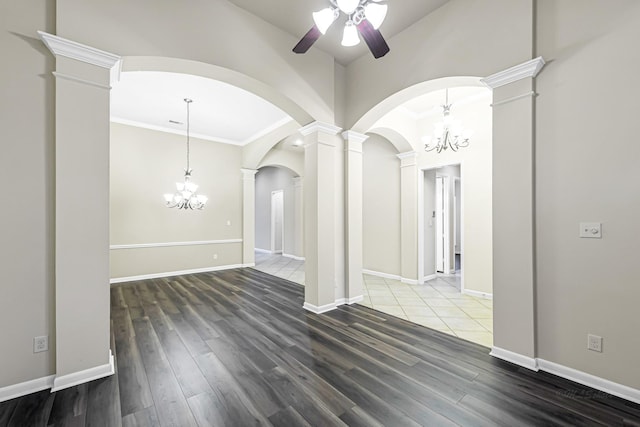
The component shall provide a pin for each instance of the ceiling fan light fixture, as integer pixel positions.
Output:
(375, 14)
(324, 18)
(350, 36)
(348, 6)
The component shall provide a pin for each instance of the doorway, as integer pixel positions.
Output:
(277, 221)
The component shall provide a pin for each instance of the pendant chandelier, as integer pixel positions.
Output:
(185, 196)
(448, 134)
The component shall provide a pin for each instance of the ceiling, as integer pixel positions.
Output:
(219, 112)
(294, 17)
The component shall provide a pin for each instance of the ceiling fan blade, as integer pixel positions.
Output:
(308, 40)
(377, 44)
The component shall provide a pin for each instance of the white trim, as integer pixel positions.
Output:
(349, 301)
(319, 310)
(81, 377)
(297, 258)
(517, 72)
(354, 300)
(27, 387)
(515, 358)
(390, 276)
(477, 294)
(263, 251)
(616, 389)
(79, 80)
(170, 244)
(63, 47)
(176, 273)
(407, 155)
(319, 127)
(430, 277)
(380, 274)
(266, 131)
(251, 264)
(173, 131)
(513, 98)
(353, 136)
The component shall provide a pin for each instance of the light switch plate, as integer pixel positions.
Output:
(591, 230)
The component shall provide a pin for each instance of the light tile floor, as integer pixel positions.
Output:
(438, 304)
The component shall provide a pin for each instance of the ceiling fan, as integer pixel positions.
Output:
(364, 17)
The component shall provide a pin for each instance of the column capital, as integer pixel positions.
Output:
(60, 46)
(297, 181)
(517, 72)
(248, 174)
(408, 158)
(350, 135)
(320, 127)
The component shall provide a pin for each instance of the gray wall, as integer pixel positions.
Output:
(269, 179)
(380, 206)
(146, 164)
(27, 227)
(587, 170)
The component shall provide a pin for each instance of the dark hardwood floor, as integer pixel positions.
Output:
(235, 348)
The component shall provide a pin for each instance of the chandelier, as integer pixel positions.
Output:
(185, 196)
(357, 11)
(448, 134)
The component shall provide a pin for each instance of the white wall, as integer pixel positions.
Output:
(270, 179)
(145, 164)
(429, 253)
(381, 206)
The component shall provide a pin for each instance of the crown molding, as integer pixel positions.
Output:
(62, 47)
(521, 71)
(352, 136)
(320, 127)
(407, 155)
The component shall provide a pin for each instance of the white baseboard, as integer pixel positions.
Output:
(349, 301)
(176, 273)
(429, 277)
(253, 264)
(610, 387)
(319, 309)
(381, 274)
(477, 294)
(297, 258)
(515, 358)
(389, 276)
(27, 387)
(620, 390)
(81, 377)
(262, 251)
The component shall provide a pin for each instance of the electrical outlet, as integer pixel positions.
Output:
(215, 256)
(40, 344)
(228, 222)
(594, 343)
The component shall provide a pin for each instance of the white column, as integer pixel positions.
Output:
(353, 210)
(514, 334)
(298, 217)
(248, 217)
(320, 201)
(83, 84)
(409, 217)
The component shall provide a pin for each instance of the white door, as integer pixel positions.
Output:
(440, 224)
(277, 220)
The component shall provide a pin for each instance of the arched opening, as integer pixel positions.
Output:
(279, 243)
(442, 280)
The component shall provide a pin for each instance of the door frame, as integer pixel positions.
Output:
(273, 223)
